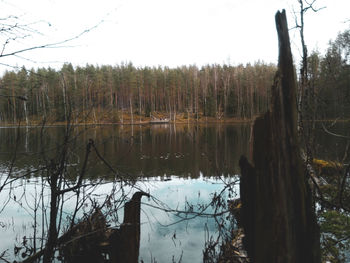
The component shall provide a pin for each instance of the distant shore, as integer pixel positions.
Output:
(126, 119)
(136, 122)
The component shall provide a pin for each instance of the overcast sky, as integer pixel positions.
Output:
(165, 32)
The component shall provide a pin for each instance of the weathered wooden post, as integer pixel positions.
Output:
(125, 242)
(277, 213)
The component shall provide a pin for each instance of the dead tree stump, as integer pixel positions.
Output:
(277, 214)
(125, 242)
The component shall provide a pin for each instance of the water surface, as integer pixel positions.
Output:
(181, 166)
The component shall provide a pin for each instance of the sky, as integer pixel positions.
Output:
(163, 32)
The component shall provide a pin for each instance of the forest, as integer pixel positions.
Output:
(104, 94)
(213, 91)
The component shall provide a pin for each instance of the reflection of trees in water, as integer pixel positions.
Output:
(156, 150)
(180, 150)
(46, 198)
(58, 198)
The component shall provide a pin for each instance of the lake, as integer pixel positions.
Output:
(181, 166)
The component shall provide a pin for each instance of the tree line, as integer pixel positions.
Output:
(106, 93)
(327, 95)
(213, 90)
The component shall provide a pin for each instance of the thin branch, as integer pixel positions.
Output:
(83, 170)
(310, 6)
(3, 255)
(334, 134)
(53, 44)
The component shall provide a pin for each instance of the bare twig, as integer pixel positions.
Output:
(83, 170)
(55, 44)
(334, 134)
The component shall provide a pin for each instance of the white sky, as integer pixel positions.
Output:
(166, 32)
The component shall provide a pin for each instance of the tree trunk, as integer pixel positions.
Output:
(25, 112)
(131, 111)
(125, 242)
(52, 232)
(215, 91)
(64, 93)
(277, 213)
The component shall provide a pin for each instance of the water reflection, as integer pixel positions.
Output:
(163, 240)
(164, 235)
(182, 150)
(178, 165)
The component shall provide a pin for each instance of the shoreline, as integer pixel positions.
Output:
(143, 121)
(190, 122)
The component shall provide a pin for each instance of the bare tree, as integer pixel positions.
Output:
(306, 91)
(14, 31)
